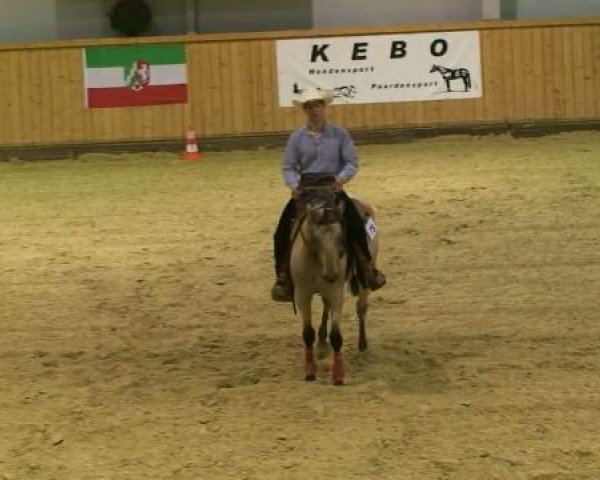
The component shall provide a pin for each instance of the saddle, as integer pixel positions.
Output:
(319, 181)
(316, 180)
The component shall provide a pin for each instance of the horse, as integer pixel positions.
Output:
(319, 264)
(449, 74)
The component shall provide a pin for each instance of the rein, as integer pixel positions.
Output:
(298, 228)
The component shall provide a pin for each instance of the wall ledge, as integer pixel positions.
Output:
(278, 140)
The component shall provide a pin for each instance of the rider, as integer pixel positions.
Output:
(325, 149)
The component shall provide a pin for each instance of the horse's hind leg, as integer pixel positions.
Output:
(308, 335)
(362, 306)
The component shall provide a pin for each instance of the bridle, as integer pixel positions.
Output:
(330, 214)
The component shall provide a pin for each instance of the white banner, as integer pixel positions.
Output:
(382, 68)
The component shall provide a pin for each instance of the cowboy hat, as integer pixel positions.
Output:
(313, 94)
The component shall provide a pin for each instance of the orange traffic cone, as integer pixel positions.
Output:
(191, 145)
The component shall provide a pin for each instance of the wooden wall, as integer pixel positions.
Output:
(532, 70)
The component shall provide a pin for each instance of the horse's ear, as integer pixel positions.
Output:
(311, 211)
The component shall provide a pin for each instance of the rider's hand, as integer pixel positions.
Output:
(338, 185)
(296, 192)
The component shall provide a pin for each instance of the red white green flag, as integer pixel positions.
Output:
(135, 75)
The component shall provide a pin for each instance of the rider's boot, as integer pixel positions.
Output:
(373, 279)
(282, 289)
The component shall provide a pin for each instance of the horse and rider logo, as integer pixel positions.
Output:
(138, 76)
(449, 74)
(346, 91)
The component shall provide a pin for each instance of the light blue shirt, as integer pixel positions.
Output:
(332, 152)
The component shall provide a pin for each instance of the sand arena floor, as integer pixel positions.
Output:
(138, 339)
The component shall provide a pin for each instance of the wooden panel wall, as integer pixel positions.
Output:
(531, 71)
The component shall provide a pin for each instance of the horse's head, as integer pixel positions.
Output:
(324, 229)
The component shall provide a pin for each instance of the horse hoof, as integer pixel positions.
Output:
(310, 377)
(362, 346)
(338, 381)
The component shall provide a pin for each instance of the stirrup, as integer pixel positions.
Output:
(281, 291)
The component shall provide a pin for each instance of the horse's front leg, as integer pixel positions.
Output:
(336, 340)
(304, 304)
(322, 334)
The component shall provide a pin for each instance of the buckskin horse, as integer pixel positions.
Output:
(319, 264)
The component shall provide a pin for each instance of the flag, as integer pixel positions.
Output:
(135, 75)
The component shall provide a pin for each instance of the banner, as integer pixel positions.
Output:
(382, 68)
(126, 76)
